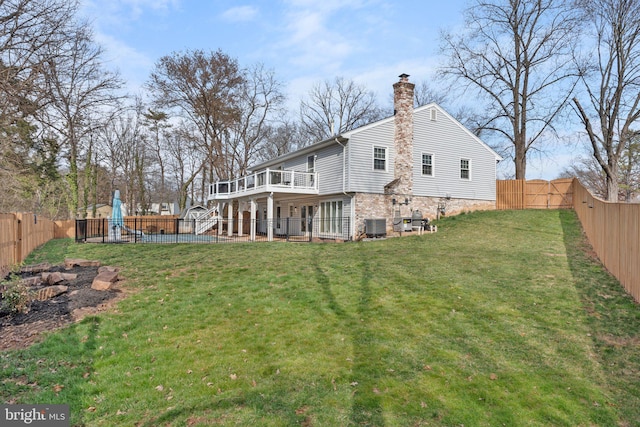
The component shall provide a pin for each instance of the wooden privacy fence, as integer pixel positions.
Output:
(613, 229)
(21, 233)
(152, 223)
(534, 194)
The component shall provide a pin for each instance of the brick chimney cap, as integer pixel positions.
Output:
(404, 77)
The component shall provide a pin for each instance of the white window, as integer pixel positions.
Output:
(434, 114)
(465, 169)
(331, 217)
(380, 158)
(427, 164)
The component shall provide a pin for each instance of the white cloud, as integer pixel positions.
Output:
(122, 12)
(240, 14)
(137, 7)
(312, 38)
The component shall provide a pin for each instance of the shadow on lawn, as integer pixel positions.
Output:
(614, 320)
(366, 407)
(68, 355)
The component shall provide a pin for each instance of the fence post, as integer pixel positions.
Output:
(287, 229)
(18, 243)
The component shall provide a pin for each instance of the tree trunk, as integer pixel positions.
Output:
(520, 162)
(613, 184)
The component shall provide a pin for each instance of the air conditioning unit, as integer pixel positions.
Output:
(375, 227)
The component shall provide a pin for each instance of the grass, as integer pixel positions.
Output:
(500, 318)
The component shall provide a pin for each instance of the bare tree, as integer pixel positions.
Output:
(131, 152)
(79, 89)
(515, 54)
(424, 93)
(260, 98)
(184, 162)
(334, 107)
(587, 170)
(283, 136)
(204, 88)
(30, 32)
(157, 122)
(630, 168)
(611, 81)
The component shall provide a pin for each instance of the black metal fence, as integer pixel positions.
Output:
(178, 230)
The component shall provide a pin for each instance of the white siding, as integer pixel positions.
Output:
(449, 142)
(443, 137)
(362, 177)
(329, 165)
(298, 164)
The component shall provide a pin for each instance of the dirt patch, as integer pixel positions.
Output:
(19, 330)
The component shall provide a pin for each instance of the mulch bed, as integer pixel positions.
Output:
(19, 330)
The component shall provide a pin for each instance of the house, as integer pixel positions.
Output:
(420, 162)
(102, 211)
(154, 208)
(164, 208)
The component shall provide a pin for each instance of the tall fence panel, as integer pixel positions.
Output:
(36, 231)
(614, 232)
(65, 229)
(8, 241)
(510, 194)
(534, 194)
(20, 234)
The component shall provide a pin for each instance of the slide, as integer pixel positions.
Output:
(130, 231)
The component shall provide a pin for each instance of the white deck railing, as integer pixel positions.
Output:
(283, 181)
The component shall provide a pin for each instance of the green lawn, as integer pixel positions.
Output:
(500, 318)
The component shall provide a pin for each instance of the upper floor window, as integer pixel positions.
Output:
(465, 169)
(380, 158)
(427, 164)
(311, 163)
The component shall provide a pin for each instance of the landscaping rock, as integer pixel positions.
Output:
(56, 277)
(50, 292)
(36, 268)
(104, 280)
(108, 268)
(72, 262)
(31, 281)
(19, 330)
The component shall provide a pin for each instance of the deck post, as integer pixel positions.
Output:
(220, 217)
(230, 218)
(240, 218)
(252, 231)
(270, 217)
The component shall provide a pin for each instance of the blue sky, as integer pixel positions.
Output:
(303, 41)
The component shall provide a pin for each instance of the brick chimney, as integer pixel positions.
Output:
(403, 140)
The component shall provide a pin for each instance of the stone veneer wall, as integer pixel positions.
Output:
(403, 137)
(369, 206)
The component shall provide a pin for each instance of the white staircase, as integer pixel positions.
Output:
(206, 221)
